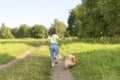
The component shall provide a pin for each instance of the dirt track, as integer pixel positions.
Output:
(60, 73)
(57, 73)
(16, 59)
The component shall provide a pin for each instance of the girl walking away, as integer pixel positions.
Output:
(53, 39)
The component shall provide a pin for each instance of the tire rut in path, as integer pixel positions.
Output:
(3, 66)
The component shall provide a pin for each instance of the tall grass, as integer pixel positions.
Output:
(96, 61)
(34, 67)
(11, 48)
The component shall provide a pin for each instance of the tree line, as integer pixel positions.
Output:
(95, 18)
(92, 18)
(35, 31)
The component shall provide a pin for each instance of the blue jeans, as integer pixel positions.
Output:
(54, 51)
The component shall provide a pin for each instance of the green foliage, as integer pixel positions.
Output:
(35, 31)
(24, 31)
(111, 11)
(15, 32)
(38, 31)
(5, 32)
(60, 27)
(95, 18)
(71, 25)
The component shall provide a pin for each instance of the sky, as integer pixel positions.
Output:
(13, 13)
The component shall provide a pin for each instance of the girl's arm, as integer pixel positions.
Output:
(61, 38)
(48, 40)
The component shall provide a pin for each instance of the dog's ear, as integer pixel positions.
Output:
(73, 59)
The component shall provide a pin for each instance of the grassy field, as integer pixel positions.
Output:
(97, 61)
(34, 67)
(11, 48)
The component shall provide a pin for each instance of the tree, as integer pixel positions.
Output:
(111, 11)
(60, 27)
(71, 24)
(5, 32)
(24, 31)
(38, 31)
(95, 18)
(15, 32)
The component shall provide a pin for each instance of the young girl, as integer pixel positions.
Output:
(53, 39)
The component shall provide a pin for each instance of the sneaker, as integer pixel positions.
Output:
(53, 64)
(56, 60)
(59, 57)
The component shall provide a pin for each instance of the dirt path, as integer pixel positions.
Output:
(60, 73)
(57, 73)
(16, 59)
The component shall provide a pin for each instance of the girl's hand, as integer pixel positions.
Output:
(62, 38)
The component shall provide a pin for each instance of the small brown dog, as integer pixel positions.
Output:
(70, 61)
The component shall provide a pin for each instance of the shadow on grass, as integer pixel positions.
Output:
(32, 43)
(5, 57)
(101, 40)
(32, 67)
(68, 42)
(91, 41)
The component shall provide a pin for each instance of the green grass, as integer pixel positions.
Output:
(96, 61)
(11, 48)
(34, 67)
(98, 65)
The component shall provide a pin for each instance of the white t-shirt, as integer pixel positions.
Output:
(53, 38)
